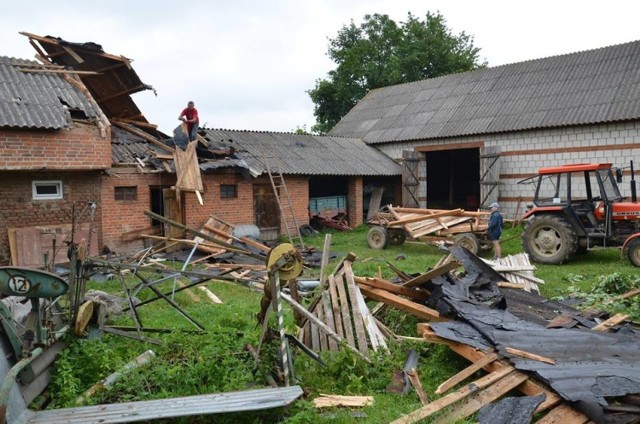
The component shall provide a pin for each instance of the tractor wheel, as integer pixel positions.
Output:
(549, 239)
(377, 238)
(633, 251)
(469, 241)
(397, 236)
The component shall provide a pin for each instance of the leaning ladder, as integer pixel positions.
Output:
(282, 197)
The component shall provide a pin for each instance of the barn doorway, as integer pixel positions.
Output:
(266, 214)
(453, 179)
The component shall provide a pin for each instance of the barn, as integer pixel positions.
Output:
(466, 140)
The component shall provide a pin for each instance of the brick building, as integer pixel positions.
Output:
(467, 139)
(54, 144)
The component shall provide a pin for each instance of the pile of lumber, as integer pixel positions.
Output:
(423, 222)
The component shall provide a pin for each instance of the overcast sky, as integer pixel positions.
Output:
(247, 64)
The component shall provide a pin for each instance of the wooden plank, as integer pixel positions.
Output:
(210, 295)
(413, 308)
(361, 338)
(611, 322)
(187, 168)
(315, 337)
(321, 325)
(323, 337)
(335, 305)
(563, 414)
(478, 400)
(136, 234)
(325, 401)
(414, 379)
(142, 134)
(379, 283)
(329, 319)
(529, 355)
(188, 292)
(419, 218)
(253, 243)
(466, 373)
(344, 310)
(431, 274)
(375, 336)
(325, 256)
(11, 233)
(451, 398)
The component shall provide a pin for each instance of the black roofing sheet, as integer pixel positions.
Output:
(588, 87)
(305, 154)
(37, 100)
(591, 367)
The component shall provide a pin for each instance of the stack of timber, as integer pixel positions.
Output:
(341, 307)
(423, 222)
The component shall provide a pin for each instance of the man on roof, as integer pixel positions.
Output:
(189, 115)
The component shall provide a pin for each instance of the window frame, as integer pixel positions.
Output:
(39, 183)
(224, 192)
(135, 193)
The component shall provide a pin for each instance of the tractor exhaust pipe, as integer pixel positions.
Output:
(634, 197)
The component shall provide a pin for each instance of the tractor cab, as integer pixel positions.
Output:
(576, 207)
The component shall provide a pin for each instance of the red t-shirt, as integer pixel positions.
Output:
(191, 115)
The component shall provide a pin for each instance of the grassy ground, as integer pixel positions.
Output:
(216, 361)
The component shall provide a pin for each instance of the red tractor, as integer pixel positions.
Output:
(577, 207)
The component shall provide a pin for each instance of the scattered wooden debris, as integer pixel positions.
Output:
(517, 271)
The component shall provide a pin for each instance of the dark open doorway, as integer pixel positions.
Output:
(453, 179)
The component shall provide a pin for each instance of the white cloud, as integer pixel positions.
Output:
(248, 64)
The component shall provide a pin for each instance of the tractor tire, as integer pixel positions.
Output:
(549, 239)
(633, 251)
(469, 241)
(377, 237)
(397, 236)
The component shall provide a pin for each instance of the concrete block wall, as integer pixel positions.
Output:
(18, 209)
(524, 152)
(81, 147)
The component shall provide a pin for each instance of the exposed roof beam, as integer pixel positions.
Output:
(125, 92)
(53, 41)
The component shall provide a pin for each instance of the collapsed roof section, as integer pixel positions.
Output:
(298, 154)
(110, 78)
(35, 97)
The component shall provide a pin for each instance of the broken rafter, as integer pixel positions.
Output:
(142, 134)
(121, 93)
(55, 42)
(136, 123)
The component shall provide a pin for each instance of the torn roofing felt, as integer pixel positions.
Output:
(591, 368)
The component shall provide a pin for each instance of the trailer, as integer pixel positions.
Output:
(393, 225)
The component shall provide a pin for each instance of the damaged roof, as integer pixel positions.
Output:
(38, 99)
(305, 154)
(127, 148)
(588, 87)
(114, 80)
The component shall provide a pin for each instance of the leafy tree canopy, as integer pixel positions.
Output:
(379, 52)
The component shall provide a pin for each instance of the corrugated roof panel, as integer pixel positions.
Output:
(545, 92)
(37, 99)
(307, 154)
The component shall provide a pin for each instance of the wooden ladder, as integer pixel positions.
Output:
(289, 222)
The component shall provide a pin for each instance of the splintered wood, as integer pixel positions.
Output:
(518, 272)
(217, 229)
(188, 169)
(343, 309)
(422, 222)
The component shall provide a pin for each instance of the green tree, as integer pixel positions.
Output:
(379, 52)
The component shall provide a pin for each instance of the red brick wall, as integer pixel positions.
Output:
(79, 148)
(18, 209)
(122, 216)
(240, 210)
(354, 202)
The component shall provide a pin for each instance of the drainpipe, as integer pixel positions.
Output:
(11, 378)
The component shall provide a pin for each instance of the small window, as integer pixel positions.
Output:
(228, 191)
(46, 190)
(126, 193)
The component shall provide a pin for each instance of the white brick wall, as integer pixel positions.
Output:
(615, 134)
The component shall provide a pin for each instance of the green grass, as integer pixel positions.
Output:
(216, 360)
